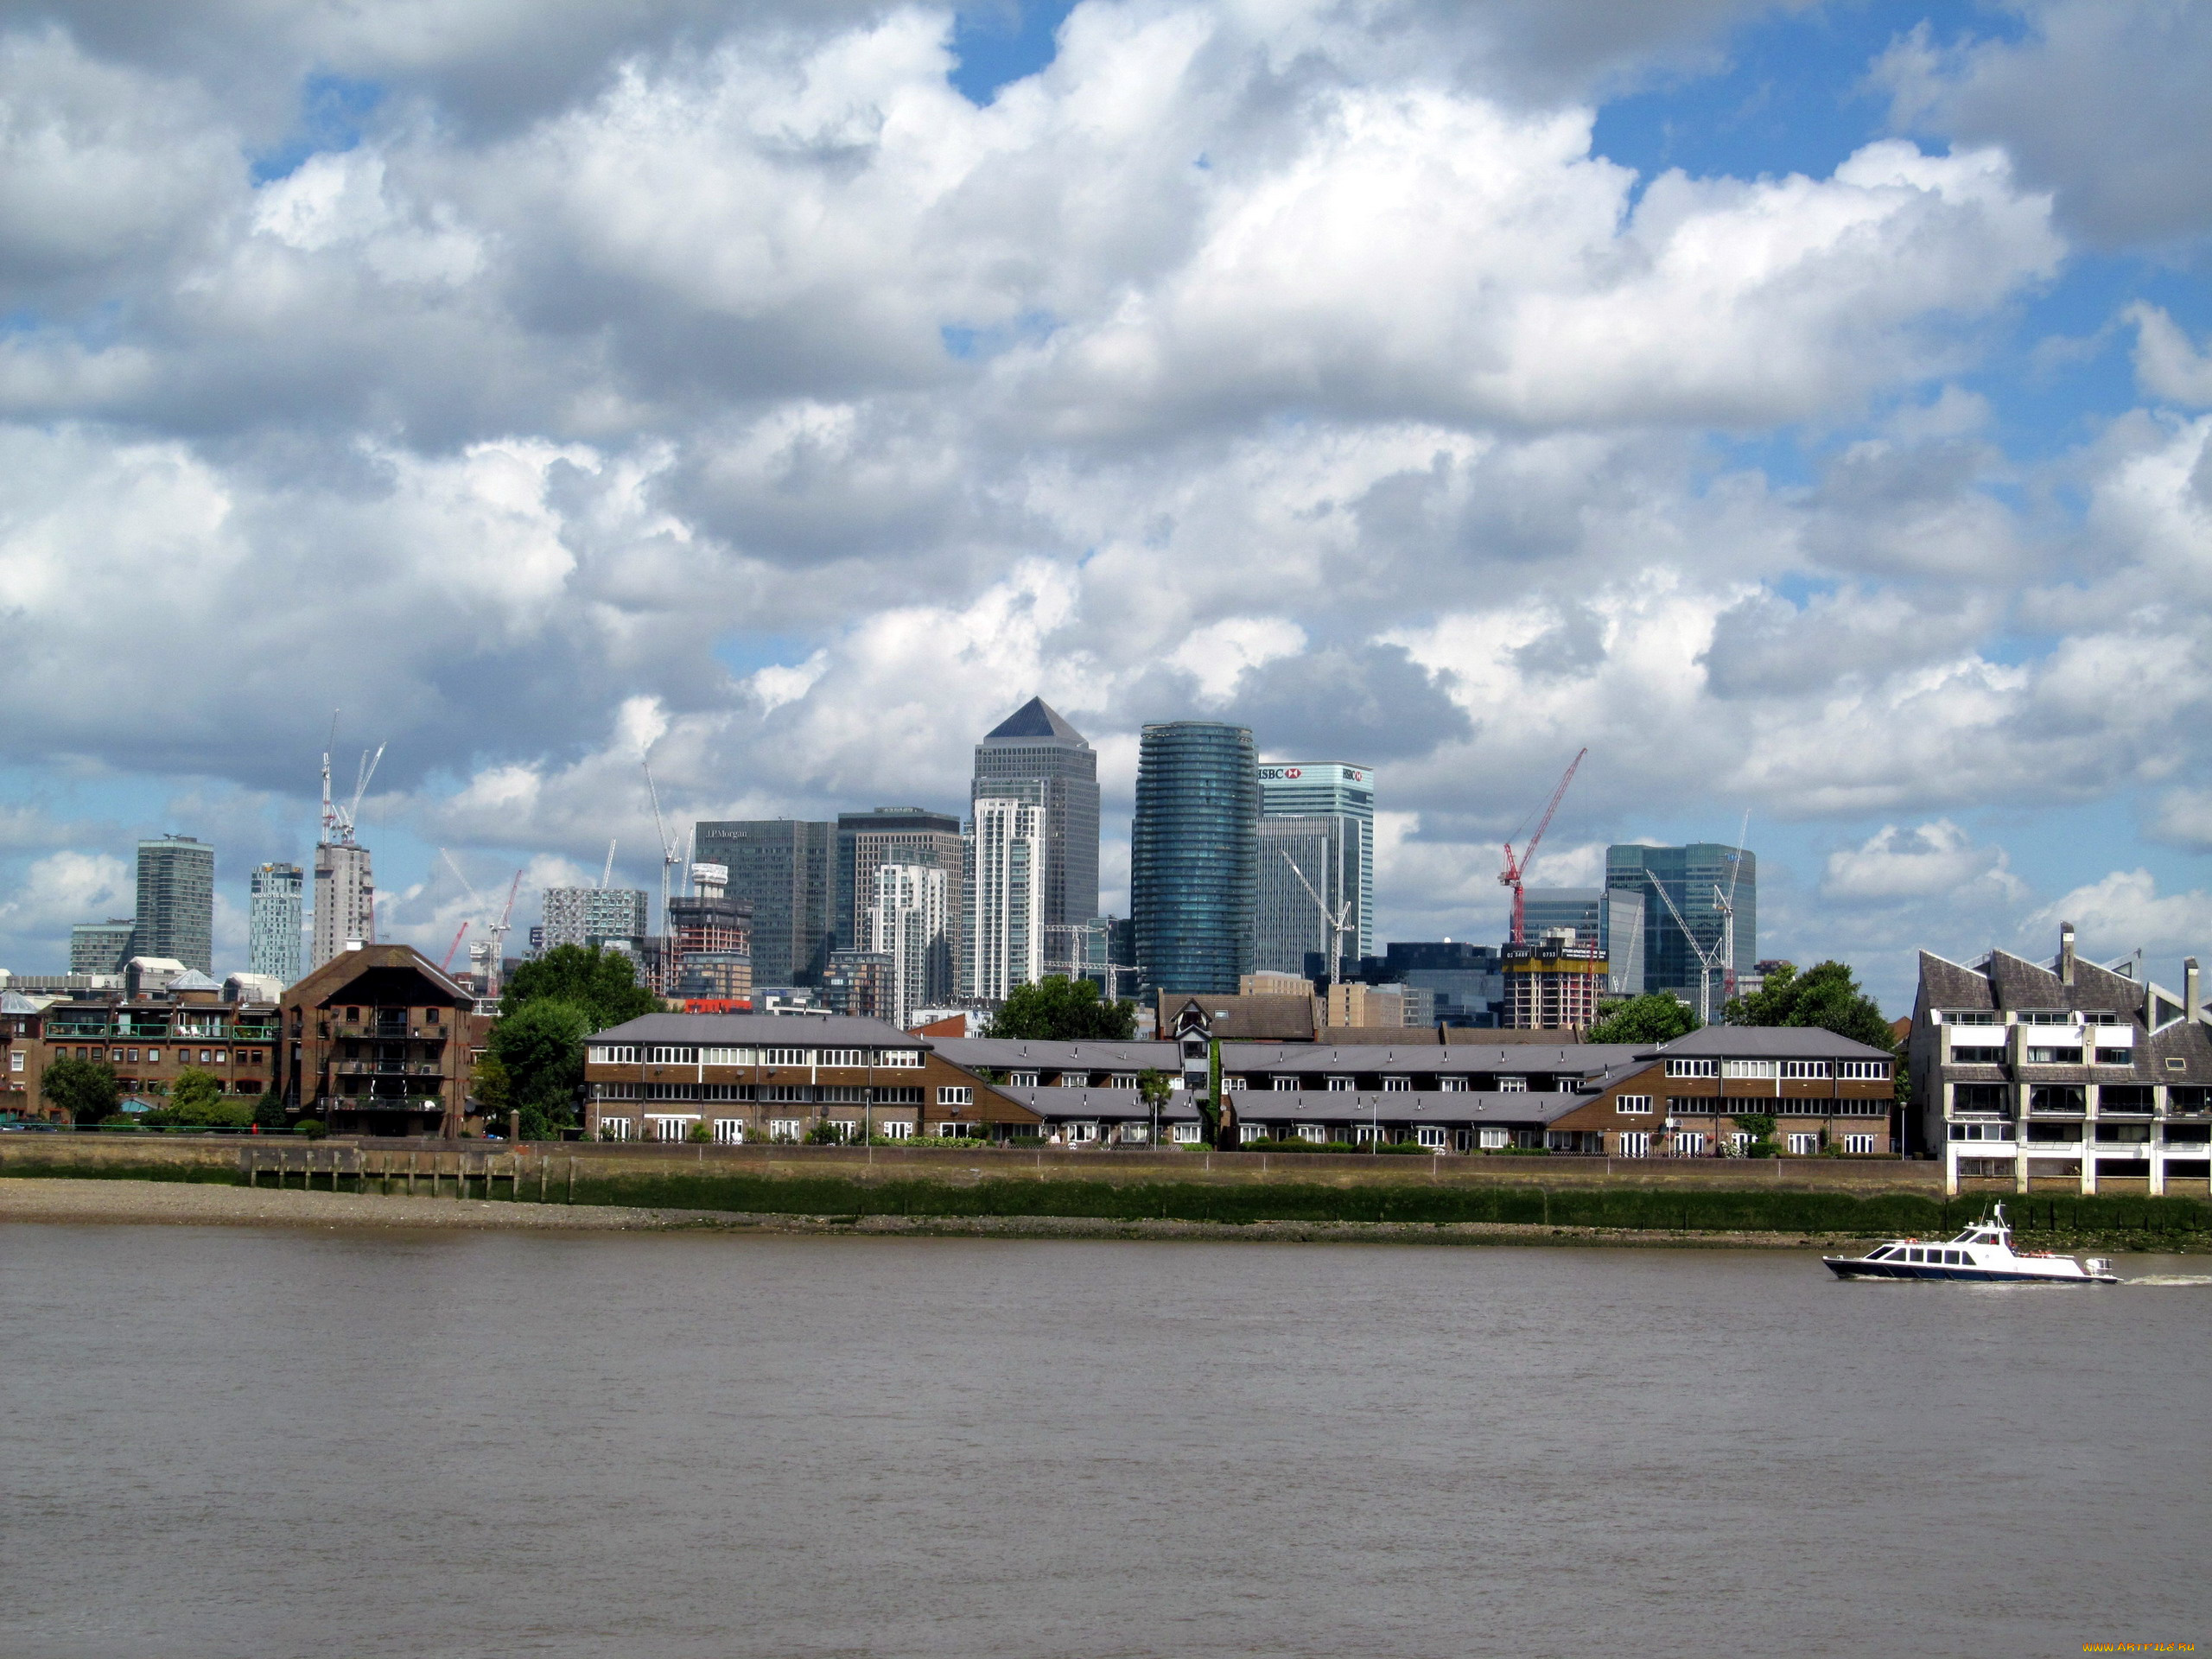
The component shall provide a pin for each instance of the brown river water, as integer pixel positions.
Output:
(239, 1441)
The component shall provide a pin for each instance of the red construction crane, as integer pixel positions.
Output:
(455, 946)
(1515, 867)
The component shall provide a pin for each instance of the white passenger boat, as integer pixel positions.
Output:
(1983, 1253)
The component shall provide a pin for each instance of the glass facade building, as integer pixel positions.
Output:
(100, 947)
(176, 902)
(1308, 870)
(278, 906)
(1336, 789)
(1615, 917)
(1194, 855)
(1698, 878)
(1036, 757)
(782, 868)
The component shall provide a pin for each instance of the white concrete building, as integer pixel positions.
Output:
(1005, 929)
(907, 923)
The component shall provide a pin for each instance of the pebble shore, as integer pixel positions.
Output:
(201, 1204)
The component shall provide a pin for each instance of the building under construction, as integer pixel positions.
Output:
(1553, 982)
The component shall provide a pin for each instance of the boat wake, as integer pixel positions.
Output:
(2171, 1278)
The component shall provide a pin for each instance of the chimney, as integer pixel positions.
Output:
(2066, 953)
(2192, 997)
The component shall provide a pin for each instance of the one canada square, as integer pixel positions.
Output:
(1036, 757)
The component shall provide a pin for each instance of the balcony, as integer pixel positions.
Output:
(388, 1068)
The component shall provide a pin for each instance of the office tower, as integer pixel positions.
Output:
(100, 947)
(781, 867)
(858, 984)
(1298, 789)
(1615, 917)
(1704, 879)
(1308, 880)
(1193, 849)
(907, 923)
(1465, 981)
(1005, 934)
(344, 899)
(176, 902)
(1035, 756)
(273, 923)
(890, 835)
(600, 916)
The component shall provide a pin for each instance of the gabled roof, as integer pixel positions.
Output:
(1253, 1018)
(1947, 984)
(769, 1030)
(1773, 1042)
(1035, 719)
(323, 983)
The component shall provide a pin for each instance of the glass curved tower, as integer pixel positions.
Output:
(1194, 856)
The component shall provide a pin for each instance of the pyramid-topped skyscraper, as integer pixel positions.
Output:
(1036, 757)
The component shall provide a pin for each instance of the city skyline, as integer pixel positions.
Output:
(1802, 408)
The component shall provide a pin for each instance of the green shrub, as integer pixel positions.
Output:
(310, 1127)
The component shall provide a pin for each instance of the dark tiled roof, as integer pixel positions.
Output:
(2103, 989)
(2189, 1041)
(2021, 984)
(1316, 1105)
(1252, 1019)
(1017, 1053)
(1945, 984)
(1774, 1042)
(771, 1030)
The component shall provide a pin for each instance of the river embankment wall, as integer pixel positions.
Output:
(1842, 1197)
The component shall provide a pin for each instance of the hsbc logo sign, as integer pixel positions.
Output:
(1293, 774)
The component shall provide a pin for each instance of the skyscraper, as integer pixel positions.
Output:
(890, 835)
(344, 899)
(1308, 871)
(1704, 879)
(273, 924)
(1332, 789)
(176, 901)
(1615, 917)
(1035, 756)
(100, 947)
(1005, 930)
(782, 868)
(603, 916)
(907, 925)
(1193, 853)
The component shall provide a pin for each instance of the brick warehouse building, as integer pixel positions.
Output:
(150, 1037)
(379, 1041)
(751, 1077)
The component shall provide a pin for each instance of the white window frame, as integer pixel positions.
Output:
(1636, 1143)
(616, 1129)
(1804, 1145)
(1230, 1084)
(1495, 1140)
(1513, 1085)
(1864, 1070)
(1397, 1085)
(672, 1126)
(1434, 1138)
(1861, 1144)
(1452, 1085)
(849, 1058)
(1316, 1133)
(787, 1057)
(1803, 1070)
(1247, 1133)
(793, 1127)
(899, 1129)
(1021, 1079)
(615, 1054)
(729, 1131)
(1690, 1066)
(1282, 1084)
(1634, 1105)
(897, 1057)
(1186, 1135)
(1688, 1143)
(1340, 1085)
(1761, 1069)
(726, 1055)
(673, 1054)
(955, 1094)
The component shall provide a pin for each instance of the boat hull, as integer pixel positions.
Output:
(1855, 1267)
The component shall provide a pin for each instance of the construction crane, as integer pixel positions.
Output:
(1336, 924)
(499, 931)
(338, 822)
(607, 874)
(1709, 962)
(460, 933)
(1728, 909)
(671, 856)
(1516, 865)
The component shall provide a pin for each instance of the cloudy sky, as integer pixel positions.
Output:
(1806, 408)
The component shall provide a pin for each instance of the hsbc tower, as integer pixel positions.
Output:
(1340, 798)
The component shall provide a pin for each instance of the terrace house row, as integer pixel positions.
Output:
(2071, 1073)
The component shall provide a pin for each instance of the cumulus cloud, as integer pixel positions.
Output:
(1934, 859)
(2126, 912)
(2168, 364)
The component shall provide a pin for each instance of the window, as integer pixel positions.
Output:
(785, 1056)
(1185, 1134)
(1961, 1054)
(2175, 1063)
(1081, 1133)
(1452, 1085)
(1495, 1140)
(1128, 1080)
(897, 1095)
(790, 1093)
(1804, 1145)
(2125, 1097)
(1316, 1133)
(899, 1056)
(2193, 1099)
(725, 1056)
(1247, 1133)
(1339, 1085)
(1397, 1085)
(955, 1094)
(615, 1128)
(614, 1055)
(15, 1060)
(843, 1094)
(721, 1091)
(1864, 1070)
(729, 1132)
(2115, 1057)
(1632, 1103)
(1748, 1069)
(1981, 1131)
(1513, 1085)
(1804, 1068)
(218, 1057)
(1634, 1143)
(1739, 1143)
(843, 1056)
(1862, 1144)
(786, 1128)
(898, 1129)
(1285, 1084)
(671, 1128)
(1689, 1068)
(1429, 1135)
(1968, 1017)
(2099, 1017)
(2057, 1097)
(2050, 1017)
(1228, 1083)
(1021, 1079)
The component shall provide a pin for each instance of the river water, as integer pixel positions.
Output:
(236, 1442)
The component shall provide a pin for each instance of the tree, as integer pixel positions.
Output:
(1057, 1009)
(1654, 1017)
(1760, 1127)
(86, 1090)
(540, 1049)
(196, 1099)
(1826, 995)
(601, 984)
(269, 1111)
(1153, 1088)
(195, 1090)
